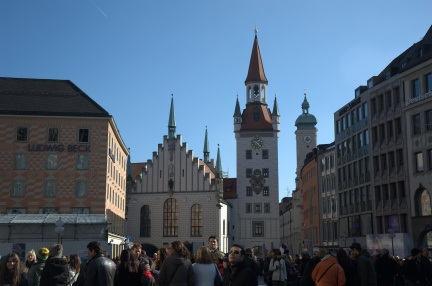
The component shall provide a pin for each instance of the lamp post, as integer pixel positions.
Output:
(59, 230)
(392, 235)
(344, 238)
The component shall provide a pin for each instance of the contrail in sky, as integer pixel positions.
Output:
(102, 12)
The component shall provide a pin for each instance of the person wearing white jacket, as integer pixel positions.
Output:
(277, 266)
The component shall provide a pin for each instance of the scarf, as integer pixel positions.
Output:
(234, 269)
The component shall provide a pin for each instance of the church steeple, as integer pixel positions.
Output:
(306, 121)
(219, 172)
(256, 81)
(171, 121)
(206, 148)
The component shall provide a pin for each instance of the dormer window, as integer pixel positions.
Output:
(370, 84)
(420, 52)
(387, 75)
(403, 65)
(256, 114)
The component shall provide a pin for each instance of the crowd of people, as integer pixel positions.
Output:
(176, 266)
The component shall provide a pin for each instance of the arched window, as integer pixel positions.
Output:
(256, 114)
(145, 221)
(170, 223)
(256, 91)
(249, 93)
(196, 220)
(424, 203)
(263, 95)
(427, 239)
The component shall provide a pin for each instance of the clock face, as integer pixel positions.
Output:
(256, 142)
(307, 139)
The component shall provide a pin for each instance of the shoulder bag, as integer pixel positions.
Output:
(324, 274)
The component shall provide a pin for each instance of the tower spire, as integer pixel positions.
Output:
(171, 121)
(206, 148)
(219, 173)
(256, 68)
(275, 108)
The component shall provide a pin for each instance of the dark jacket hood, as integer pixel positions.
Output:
(56, 265)
(176, 259)
(365, 253)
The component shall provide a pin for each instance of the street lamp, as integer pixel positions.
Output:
(392, 235)
(59, 229)
(344, 238)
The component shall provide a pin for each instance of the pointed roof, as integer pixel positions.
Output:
(306, 121)
(171, 121)
(219, 173)
(237, 111)
(256, 68)
(206, 143)
(275, 108)
(129, 168)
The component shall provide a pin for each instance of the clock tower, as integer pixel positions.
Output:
(306, 135)
(255, 220)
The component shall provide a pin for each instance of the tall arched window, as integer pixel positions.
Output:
(196, 220)
(256, 114)
(249, 93)
(145, 221)
(170, 223)
(425, 203)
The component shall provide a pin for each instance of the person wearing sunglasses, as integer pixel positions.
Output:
(236, 272)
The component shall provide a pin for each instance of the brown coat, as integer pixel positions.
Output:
(335, 276)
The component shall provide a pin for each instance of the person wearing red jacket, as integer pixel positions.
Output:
(328, 272)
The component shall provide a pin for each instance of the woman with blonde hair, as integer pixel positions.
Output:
(205, 271)
(11, 272)
(30, 259)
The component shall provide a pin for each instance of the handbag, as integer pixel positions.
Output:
(218, 278)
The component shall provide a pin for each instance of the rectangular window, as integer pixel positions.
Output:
(366, 137)
(257, 208)
(249, 191)
(20, 161)
(258, 228)
(50, 189)
(82, 162)
(16, 211)
(338, 128)
(18, 189)
(429, 82)
(265, 154)
(265, 173)
(248, 173)
(83, 135)
(48, 211)
(51, 161)
(430, 158)
(80, 210)
(419, 162)
(248, 208)
(21, 134)
(416, 124)
(266, 191)
(365, 110)
(429, 120)
(415, 88)
(248, 154)
(81, 189)
(266, 208)
(53, 134)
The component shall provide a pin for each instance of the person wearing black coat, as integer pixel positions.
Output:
(56, 270)
(237, 273)
(251, 262)
(306, 279)
(386, 269)
(347, 265)
(100, 269)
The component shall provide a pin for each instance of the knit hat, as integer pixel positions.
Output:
(42, 254)
(56, 250)
(415, 251)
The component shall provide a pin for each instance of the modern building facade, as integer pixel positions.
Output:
(255, 220)
(61, 154)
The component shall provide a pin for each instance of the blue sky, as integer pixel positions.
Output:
(131, 55)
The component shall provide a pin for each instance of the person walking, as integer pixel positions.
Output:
(251, 262)
(278, 269)
(213, 242)
(162, 254)
(267, 273)
(328, 272)
(100, 269)
(177, 268)
(128, 270)
(236, 273)
(386, 269)
(365, 268)
(11, 271)
(56, 270)
(416, 270)
(74, 268)
(309, 266)
(205, 271)
(30, 259)
(35, 272)
(347, 266)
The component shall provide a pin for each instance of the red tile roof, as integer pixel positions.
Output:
(264, 123)
(256, 68)
(136, 169)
